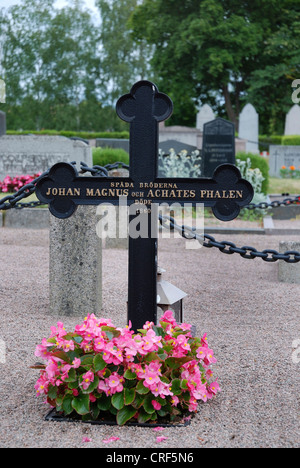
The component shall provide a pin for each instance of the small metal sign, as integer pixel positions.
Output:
(63, 189)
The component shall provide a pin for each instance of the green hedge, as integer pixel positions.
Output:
(66, 133)
(265, 141)
(260, 163)
(103, 156)
(291, 140)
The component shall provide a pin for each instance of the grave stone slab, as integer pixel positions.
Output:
(2, 91)
(205, 115)
(2, 123)
(249, 128)
(29, 154)
(218, 145)
(28, 218)
(75, 265)
(283, 156)
(117, 143)
(292, 121)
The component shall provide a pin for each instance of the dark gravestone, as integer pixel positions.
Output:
(2, 123)
(218, 145)
(63, 189)
(165, 146)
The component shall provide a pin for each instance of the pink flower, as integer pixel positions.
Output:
(158, 429)
(86, 440)
(169, 317)
(111, 439)
(214, 388)
(161, 439)
(156, 405)
(114, 382)
(87, 379)
(76, 363)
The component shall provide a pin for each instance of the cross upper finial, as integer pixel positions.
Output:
(144, 107)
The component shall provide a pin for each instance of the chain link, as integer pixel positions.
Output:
(229, 248)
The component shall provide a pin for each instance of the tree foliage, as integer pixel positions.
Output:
(224, 52)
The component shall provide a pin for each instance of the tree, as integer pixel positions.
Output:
(214, 51)
(123, 59)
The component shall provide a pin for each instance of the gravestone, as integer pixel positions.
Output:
(218, 145)
(29, 154)
(2, 92)
(64, 190)
(283, 156)
(249, 128)
(2, 123)
(205, 115)
(292, 121)
(117, 143)
(178, 146)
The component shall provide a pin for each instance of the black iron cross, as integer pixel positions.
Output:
(144, 107)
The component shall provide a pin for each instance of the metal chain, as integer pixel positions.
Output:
(229, 248)
(274, 204)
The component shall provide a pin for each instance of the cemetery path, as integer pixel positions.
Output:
(251, 320)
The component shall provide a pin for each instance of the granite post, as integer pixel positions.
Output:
(289, 272)
(75, 264)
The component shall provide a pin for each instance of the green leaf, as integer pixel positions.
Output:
(99, 363)
(138, 401)
(175, 363)
(129, 396)
(148, 407)
(159, 331)
(183, 384)
(87, 359)
(130, 375)
(111, 332)
(175, 387)
(67, 404)
(151, 357)
(143, 416)
(52, 392)
(125, 414)
(104, 402)
(72, 377)
(81, 404)
(117, 400)
(140, 388)
(78, 339)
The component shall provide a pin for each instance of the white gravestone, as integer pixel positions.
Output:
(2, 91)
(29, 154)
(292, 121)
(249, 128)
(283, 156)
(204, 115)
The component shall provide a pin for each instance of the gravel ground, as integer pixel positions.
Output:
(251, 320)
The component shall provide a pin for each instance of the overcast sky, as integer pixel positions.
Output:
(59, 3)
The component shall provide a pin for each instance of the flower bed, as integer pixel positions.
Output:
(290, 172)
(159, 372)
(10, 185)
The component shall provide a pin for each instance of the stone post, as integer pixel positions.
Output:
(289, 272)
(75, 264)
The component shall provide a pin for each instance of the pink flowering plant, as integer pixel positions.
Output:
(13, 184)
(160, 372)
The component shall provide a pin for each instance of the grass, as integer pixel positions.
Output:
(291, 186)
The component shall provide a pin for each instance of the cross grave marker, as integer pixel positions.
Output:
(63, 189)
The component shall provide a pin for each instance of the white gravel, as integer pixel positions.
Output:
(251, 320)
